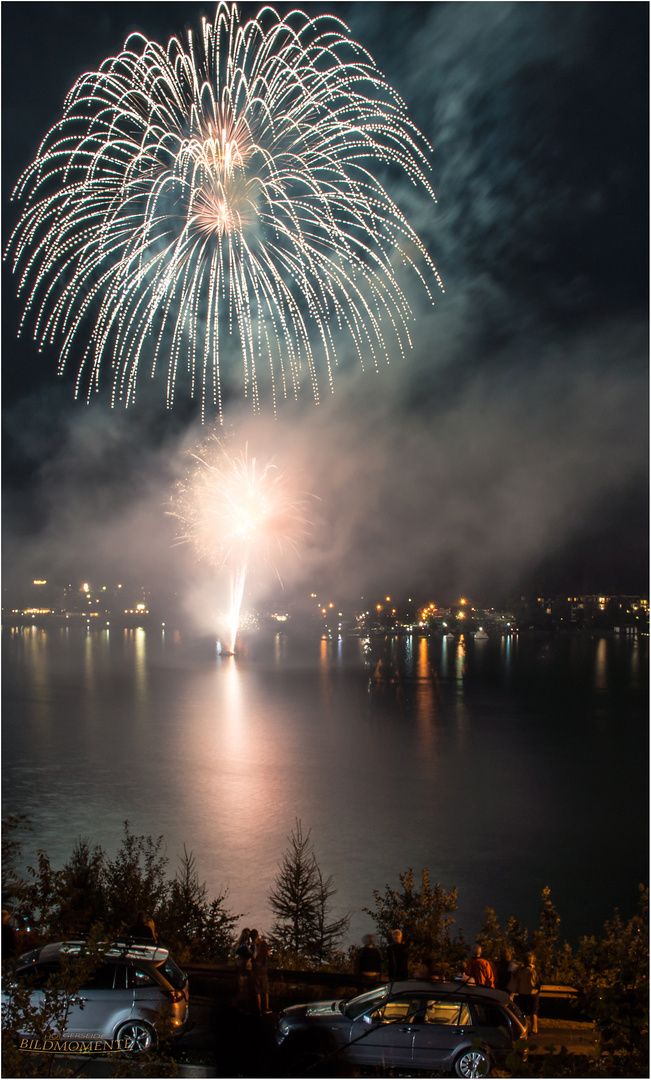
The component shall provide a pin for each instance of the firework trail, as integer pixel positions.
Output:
(226, 185)
(239, 515)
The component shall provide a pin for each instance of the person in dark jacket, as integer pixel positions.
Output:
(369, 963)
(243, 958)
(505, 969)
(398, 958)
(142, 932)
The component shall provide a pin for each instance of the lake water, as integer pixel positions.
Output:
(503, 765)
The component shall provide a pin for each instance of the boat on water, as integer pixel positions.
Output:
(481, 635)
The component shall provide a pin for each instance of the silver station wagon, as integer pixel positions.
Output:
(417, 1026)
(123, 997)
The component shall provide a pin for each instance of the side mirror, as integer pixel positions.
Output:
(368, 1019)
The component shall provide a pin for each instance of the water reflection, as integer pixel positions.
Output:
(445, 647)
(460, 663)
(224, 753)
(601, 665)
(280, 647)
(228, 688)
(140, 655)
(506, 651)
(636, 654)
(425, 695)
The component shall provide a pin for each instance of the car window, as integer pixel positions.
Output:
(103, 978)
(173, 974)
(364, 1003)
(138, 977)
(38, 974)
(404, 1008)
(490, 1015)
(446, 1011)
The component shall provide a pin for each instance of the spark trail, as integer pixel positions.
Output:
(223, 195)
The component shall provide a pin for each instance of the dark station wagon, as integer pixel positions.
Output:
(453, 1027)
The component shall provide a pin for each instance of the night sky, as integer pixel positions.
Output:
(509, 450)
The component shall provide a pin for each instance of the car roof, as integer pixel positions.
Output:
(115, 951)
(459, 986)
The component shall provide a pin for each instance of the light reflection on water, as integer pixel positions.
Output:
(503, 765)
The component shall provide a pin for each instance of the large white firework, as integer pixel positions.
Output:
(230, 184)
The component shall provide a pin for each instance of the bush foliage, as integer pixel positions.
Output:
(93, 889)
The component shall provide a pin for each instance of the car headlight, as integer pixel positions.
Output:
(283, 1027)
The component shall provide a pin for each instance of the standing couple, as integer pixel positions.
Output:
(251, 955)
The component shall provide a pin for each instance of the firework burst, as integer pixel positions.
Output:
(224, 186)
(238, 514)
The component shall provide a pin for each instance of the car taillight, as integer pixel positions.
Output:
(175, 995)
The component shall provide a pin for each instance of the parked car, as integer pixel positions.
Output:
(122, 998)
(419, 1026)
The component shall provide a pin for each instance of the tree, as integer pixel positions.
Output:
(491, 938)
(327, 935)
(41, 893)
(425, 916)
(12, 827)
(544, 940)
(616, 980)
(82, 900)
(135, 879)
(191, 924)
(300, 901)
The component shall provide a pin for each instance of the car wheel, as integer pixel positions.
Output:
(136, 1036)
(472, 1063)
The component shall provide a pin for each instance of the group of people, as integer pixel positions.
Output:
(519, 980)
(370, 961)
(251, 956)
